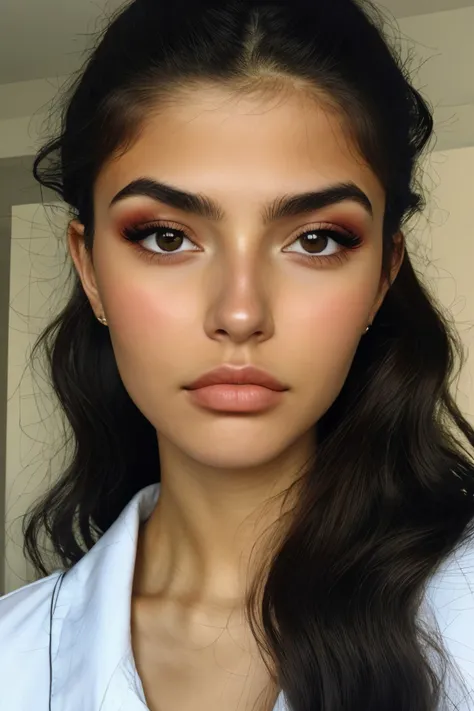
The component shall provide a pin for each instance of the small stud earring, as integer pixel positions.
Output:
(102, 320)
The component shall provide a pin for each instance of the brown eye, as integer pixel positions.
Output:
(169, 241)
(314, 242)
(324, 246)
(161, 239)
(319, 239)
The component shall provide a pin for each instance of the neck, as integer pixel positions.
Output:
(203, 541)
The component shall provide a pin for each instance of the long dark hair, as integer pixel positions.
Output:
(382, 506)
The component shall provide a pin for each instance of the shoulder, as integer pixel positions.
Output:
(24, 644)
(450, 598)
(22, 610)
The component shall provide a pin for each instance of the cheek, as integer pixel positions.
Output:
(324, 325)
(150, 321)
(140, 309)
(336, 309)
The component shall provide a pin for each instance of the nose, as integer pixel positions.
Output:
(239, 307)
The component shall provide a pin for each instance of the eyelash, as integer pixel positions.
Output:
(348, 240)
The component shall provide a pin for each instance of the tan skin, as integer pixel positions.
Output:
(236, 291)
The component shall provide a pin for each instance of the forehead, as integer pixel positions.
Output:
(212, 142)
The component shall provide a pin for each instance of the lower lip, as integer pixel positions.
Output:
(236, 398)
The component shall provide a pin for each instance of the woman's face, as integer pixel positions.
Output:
(286, 294)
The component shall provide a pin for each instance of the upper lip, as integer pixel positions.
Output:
(248, 375)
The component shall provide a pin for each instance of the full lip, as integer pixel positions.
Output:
(230, 375)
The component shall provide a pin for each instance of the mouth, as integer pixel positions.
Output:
(236, 398)
(230, 389)
(229, 375)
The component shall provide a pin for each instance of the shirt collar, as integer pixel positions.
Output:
(91, 647)
(92, 659)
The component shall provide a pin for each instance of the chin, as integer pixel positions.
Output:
(238, 452)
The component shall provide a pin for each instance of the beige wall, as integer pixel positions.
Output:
(16, 186)
(25, 110)
(37, 292)
(450, 231)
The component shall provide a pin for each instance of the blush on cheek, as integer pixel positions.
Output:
(141, 310)
(338, 314)
(348, 307)
(135, 311)
(343, 318)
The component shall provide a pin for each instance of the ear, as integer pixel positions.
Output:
(398, 254)
(82, 259)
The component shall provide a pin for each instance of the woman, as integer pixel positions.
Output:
(270, 503)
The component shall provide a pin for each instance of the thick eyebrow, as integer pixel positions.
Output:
(284, 206)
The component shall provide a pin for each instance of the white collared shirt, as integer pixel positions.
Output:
(84, 616)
